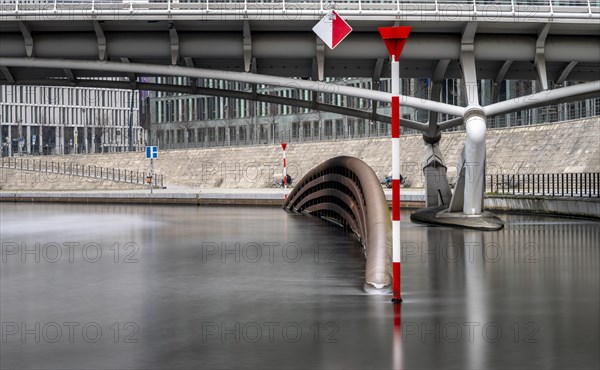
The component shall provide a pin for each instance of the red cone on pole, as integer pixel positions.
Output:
(394, 38)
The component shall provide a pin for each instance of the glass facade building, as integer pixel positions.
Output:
(64, 120)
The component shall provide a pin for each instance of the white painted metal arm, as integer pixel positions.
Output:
(163, 70)
(574, 92)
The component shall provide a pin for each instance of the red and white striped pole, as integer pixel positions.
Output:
(396, 246)
(395, 38)
(284, 145)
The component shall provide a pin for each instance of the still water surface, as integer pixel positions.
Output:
(139, 287)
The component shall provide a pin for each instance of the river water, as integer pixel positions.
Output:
(141, 287)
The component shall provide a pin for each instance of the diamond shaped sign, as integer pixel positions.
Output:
(332, 29)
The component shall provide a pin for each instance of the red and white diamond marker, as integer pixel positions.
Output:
(332, 29)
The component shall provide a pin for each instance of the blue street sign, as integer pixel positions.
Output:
(151, 152)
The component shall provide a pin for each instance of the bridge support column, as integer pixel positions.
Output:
(437, 189)
(465, 208)
(474, 161)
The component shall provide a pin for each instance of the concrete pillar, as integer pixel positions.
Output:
(533, 120)
(28, 139)
(75, 140)
(93, 140)
(63, 143)
(475, 124)
(57, 140)
(104, 139)
(346, 133)
(85, 140)
(125, 139)
(114, 140)
(41, 139)
(237, 134)
(9, 140)
(103, 136)
(270, 133)
(62, 140)
(320, 123)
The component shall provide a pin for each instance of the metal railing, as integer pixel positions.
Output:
(462, 8)
(81, 170)
(583, 184)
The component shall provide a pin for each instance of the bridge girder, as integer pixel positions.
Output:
(296, 51)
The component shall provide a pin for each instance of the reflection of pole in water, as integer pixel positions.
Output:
(397, 342)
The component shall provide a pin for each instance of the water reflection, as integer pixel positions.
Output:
(530, 290)
(241, 287)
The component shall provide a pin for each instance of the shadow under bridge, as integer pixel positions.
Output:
(346, 191)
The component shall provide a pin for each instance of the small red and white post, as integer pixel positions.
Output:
(395, 38)
(284, 145)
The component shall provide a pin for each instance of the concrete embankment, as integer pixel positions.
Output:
(582, 207)
(564, 206)
(551, 148)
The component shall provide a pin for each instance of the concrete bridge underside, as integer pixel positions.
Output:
(548, 40)
(554, 53)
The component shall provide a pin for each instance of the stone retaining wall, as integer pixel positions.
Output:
(550, 148)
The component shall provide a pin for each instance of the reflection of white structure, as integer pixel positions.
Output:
(65, 120)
